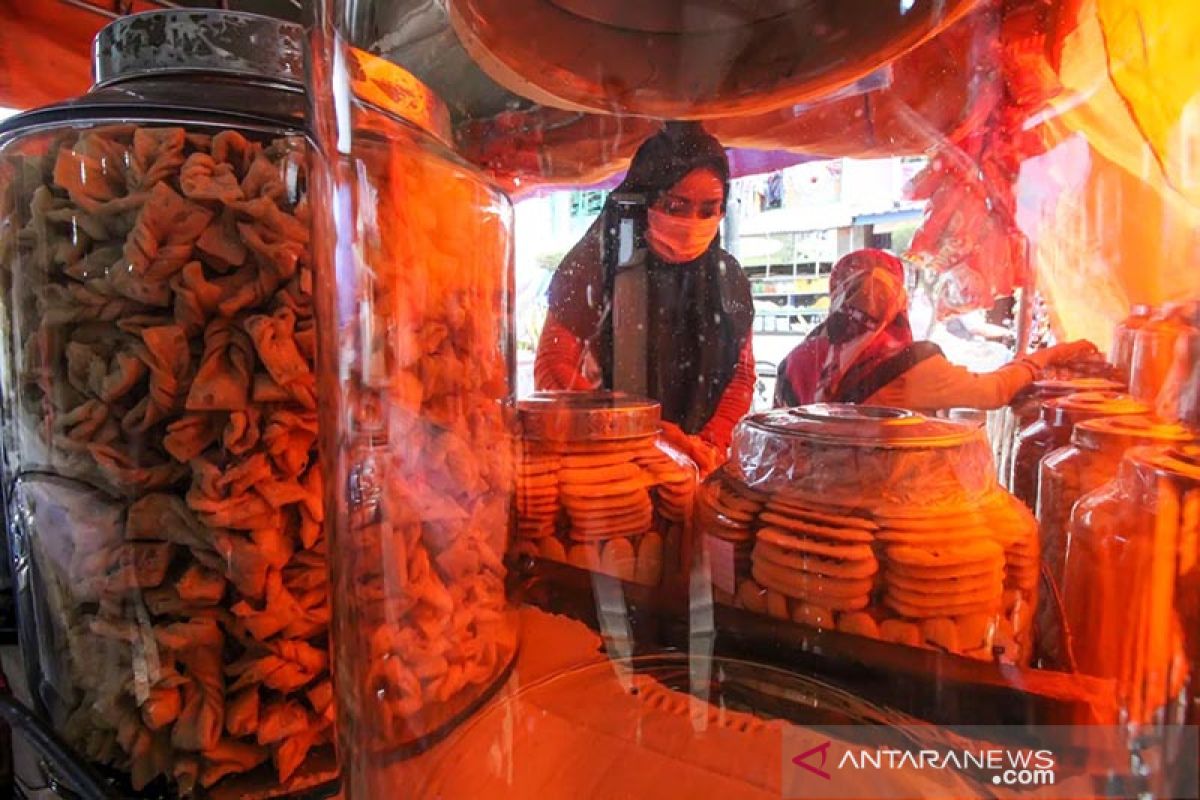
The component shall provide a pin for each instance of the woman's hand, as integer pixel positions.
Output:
(707, 457)
(1066, 353)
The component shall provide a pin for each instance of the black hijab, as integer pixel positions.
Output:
(699, 313)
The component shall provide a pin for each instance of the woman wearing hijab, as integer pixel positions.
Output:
(864, 351)
(694, 351)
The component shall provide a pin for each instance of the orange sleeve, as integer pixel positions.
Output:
(735, 402)
(559, 361)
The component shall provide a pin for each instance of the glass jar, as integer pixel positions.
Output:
(1154, 349)
(1121, 353)
(1005, 425)
(159, 391)
(876, 522)
(1067, 474)
(1131, 584)
(598, 488)
(415, 302)
(1053, 430)
(1179, 398)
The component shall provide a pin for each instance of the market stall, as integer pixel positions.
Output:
(269, 487)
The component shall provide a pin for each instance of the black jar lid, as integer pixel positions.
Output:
(209, 41)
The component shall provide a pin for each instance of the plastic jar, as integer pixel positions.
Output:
(160, 408)
(1091, 460)
(599, 489)
(1121, 354)
(876, 522)
(1131, 583)
(416, 312)
(1053, 430)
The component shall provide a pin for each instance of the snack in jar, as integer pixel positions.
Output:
(416, 311)
(1067, 474)
(1006, 424)
(597, 487)
(876, 522)
(1154, 348)
(1053, 430)
(1121, 353)
(1131, 584)
(160, 408)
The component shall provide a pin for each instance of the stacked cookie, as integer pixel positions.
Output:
(938, 565)
(674, 483)
(822, 560)
(537, 494)
(727, 512)
(933, 577)
(594, 504)
(1017, 531)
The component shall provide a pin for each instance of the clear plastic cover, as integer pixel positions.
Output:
(874, 522)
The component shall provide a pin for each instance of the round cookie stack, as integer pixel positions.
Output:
(606, 501)
(1015, 527)
(729, 514)
(943, 576)
(823, 561)
(674, 483)
(537, 494)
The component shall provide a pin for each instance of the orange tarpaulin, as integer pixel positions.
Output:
(1112, 208)
(45, 48)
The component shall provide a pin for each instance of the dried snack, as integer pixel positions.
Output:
(195, 581)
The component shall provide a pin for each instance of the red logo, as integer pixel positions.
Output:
(802, 760)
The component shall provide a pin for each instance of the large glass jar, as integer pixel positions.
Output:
(872, 521)
(1121, 353)
(1131, 584)
(1154, 349)
(1005, 425)
(415, 305)
(1053, 430)
(1179, 398)
(598, 488)
(1090, 461)
(164, 496)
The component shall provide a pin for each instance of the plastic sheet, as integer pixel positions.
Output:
(875, 522)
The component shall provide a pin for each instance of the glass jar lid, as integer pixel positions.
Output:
(869, 426)
(1127, 431)
(1179, 462)
(587, 416)
(1079, 406)
(208, 41)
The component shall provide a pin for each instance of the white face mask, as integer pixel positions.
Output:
(680, 239)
